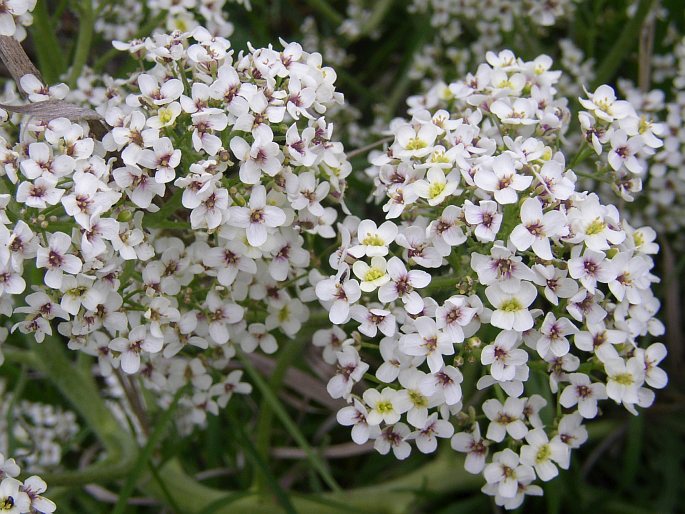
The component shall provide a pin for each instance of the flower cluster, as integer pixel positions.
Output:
(122, 20)
(15, 16)
(463, 30)
(613, 129)
(186, 231)
(491, 271)
(41, 432)
(17, 497)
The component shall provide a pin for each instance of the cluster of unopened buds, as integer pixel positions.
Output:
(184, 233)
(17, 497)
(491, 272)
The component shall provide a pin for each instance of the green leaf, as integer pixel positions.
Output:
(145, 454)
(288, 423)
(259, 463)
(224, 501)
(51, 62)
(626, 42)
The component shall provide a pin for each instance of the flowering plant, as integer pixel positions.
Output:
(183, 232)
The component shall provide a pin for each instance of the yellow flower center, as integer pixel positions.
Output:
(436, 189)
(596, 227)
(543, 454)
(384, 407)
(511, 305)
(625, 379)
(165, 115)
(373, 274)
(416, 144)
(638, 238)
(418, 399)
(373, 240)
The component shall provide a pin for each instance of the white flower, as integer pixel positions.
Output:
(453, 315)
(373, 241)
(584, 393)
(436, 188)
(553, 334)
(372, 276)
(415, 141)
(12, 499)
(624, 152)
(512, 306)
(475, 447)
(591, 268)
(341, 294)
(402, 284)
(56, 259)
(138, 340)
(503, 356)
(350, 370)
(394, 437)
(371, 320)
(258, 217)
(355, 415)
(150, 88)
(426, 436)
(163, 158)
(600, 340)
(624, 379)
(541, 454)
(429, 342)
(224, 390)
(505, 472)
(445, 384)
(537, 228)
(502, 180)
(166, 116)
(505, 419)
(652, 356)
(486, 217)
(384, 406)
(264, 155)
(556, 283)
(605, 106)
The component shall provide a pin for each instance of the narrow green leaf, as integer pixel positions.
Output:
(83, 42)
(288, 423)
(51, 62)
(224, 501)
(626, 42)
(145, 454)
(260, 464)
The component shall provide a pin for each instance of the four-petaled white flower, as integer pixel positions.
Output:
(258, 217)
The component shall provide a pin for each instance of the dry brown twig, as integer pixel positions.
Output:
(19, 64)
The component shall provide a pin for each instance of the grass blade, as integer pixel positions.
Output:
(288, 423)
(145, 454)
(260, 464)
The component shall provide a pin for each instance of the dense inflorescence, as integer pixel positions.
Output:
(185, 232)
(492, 271)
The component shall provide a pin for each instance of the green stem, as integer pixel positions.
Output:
(324, 8)
(48, 49)
(623, 45)
(377, 15)
(83, 43)
(288, 423)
